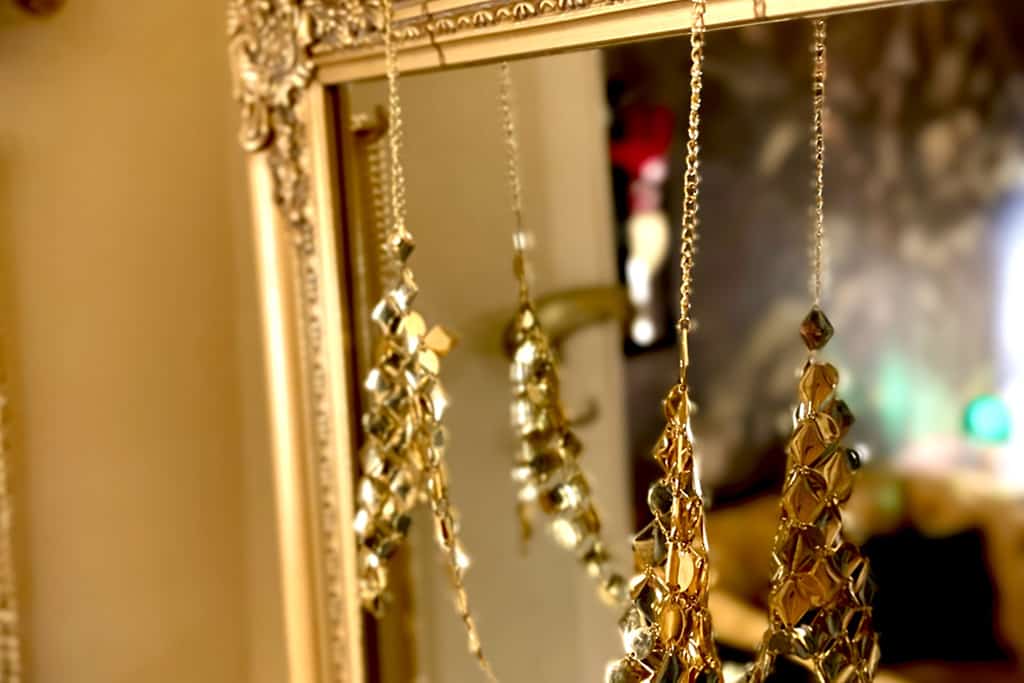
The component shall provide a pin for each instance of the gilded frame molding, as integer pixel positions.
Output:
(286, 55)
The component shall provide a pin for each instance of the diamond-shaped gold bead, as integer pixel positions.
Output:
(790, 604)
(817, 383)
(816, 330)
(807, 445)
(803, 497)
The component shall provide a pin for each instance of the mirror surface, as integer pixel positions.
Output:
(924, 197)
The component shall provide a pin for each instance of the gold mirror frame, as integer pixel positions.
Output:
(287, 57)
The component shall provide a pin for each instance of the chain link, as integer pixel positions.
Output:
(818, 237)
(520, 239)
(691, 182)
(394, 120)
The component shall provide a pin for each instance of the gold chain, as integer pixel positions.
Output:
(519, 237)
(440, 503)
(395, 120)
(819, 157)
(691, 183)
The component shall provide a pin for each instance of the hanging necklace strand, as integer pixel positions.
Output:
(667, 630)
(818, 237)
(691, 186)
(819, 604)
(395, 130)
(520, 238)
(547, 468)
(421, 404)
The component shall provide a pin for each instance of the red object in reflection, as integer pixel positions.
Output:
(642, 152)
(648, 133)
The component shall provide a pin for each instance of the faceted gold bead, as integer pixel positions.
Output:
(803, 498)
(827, 427)
(816, 330)
(413, 325)
(439, 340)
(817, 383)
(670, 624)
(400, 243)
(819, 584)
(830, 524)
(526, 320)
(649, 546)
(839, 476)
(438, 400)
(682, 570)
(789, 604)
(429, 362)
(646, 596)
(806, 444)
(841, 413)
(387, 314)
(659, 499)
(799, 550)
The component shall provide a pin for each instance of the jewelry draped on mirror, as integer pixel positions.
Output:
(667, 630)
(403, 454)
(820, 599)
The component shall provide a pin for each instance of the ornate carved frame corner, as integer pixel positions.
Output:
(286, 55)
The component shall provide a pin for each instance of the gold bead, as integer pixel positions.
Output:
(671, 624)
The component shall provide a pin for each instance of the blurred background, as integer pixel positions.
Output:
(129, 330)
(925, 241)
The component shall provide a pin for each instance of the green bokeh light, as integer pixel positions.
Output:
(987, 419)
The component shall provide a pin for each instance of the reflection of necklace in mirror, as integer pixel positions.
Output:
(547, 469)
(819, 604)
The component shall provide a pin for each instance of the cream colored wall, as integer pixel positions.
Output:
(129, 332)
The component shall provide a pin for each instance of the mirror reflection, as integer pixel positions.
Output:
(924, 250)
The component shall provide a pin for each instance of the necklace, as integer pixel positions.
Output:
(403, 456)
(547, 468)
(667, 629)
(819, 604)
